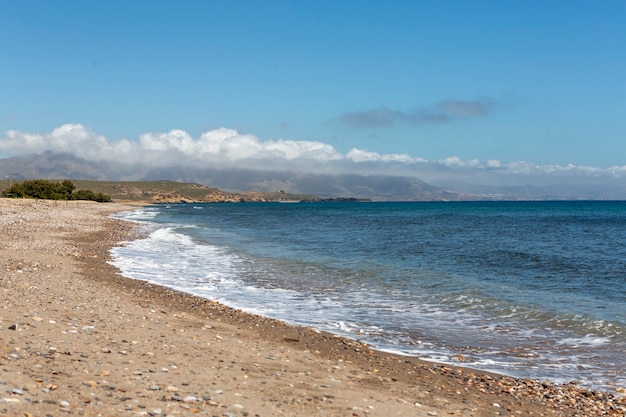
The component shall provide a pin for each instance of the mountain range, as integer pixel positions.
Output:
(377, 187)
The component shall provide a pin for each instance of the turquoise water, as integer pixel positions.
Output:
(529, 289)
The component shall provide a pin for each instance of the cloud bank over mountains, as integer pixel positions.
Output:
(221, 146)
(227, 148)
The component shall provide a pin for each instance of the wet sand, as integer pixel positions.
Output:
(77, 338)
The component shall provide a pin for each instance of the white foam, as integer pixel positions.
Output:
(173, 259)
(587, 340)
(392, 321)
(168, 235)
(139, 215)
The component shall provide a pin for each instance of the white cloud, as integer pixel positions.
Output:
(360, 155)
(159, 149)
(618, 171)
(229, 148)
(69, 138)
(451, 161)
(174, 140)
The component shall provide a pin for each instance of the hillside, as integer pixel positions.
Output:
(247, 184)
(173, 192)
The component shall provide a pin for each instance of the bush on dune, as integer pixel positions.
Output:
(53, 190)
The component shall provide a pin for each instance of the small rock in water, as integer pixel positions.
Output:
(64, 403)
(154, 387)
(17, 391)
(13, 327)
(190, 399)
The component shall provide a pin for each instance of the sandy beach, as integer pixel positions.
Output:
(77, 338)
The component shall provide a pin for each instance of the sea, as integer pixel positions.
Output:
(526, 289)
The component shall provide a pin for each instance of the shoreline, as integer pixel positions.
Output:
(97, 343)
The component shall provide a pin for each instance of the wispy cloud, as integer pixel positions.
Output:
(442, 112)
(380, 117)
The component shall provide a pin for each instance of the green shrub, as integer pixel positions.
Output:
(90, 195)
(52, 190)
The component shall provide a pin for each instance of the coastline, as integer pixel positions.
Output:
(78, 338)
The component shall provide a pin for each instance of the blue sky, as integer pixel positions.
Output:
(502, 81)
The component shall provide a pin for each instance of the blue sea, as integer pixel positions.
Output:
(527, 289)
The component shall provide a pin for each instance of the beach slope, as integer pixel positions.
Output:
(77, 338)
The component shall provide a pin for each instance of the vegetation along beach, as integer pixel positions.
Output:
(454, 242)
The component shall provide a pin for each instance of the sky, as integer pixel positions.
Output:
(492, 87)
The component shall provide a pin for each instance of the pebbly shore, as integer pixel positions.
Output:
(76, 338)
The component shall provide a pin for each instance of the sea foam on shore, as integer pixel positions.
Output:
(78, 338)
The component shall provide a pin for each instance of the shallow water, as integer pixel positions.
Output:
(529, 289)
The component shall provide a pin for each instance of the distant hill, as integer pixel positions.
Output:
(234, 184)
(174, 192)
(249, 185)
(611, 189)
